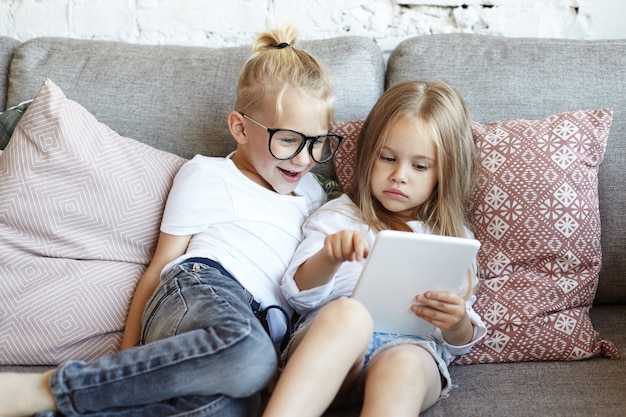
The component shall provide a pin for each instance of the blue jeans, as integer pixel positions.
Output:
(205, 354)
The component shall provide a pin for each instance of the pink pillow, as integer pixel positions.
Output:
(535, 211)
(344, 158)
(80, 209)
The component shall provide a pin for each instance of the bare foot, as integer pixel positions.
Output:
(24, 394)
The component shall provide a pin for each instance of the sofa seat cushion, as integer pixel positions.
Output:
(80, 209)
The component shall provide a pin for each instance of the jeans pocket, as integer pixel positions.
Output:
(166, 296)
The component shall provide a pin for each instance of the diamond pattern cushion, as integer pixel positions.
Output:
(344, 159)
(536, 214)
(80, 209)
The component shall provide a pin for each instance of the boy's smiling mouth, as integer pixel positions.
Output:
(289, 174)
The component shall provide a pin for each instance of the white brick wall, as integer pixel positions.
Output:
(217, 23)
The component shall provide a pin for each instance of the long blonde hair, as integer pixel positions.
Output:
(277, 67)
(439, 109)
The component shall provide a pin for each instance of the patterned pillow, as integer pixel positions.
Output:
(80, 208)
(536, 213)
(344, 159)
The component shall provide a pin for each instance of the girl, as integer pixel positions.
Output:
(415, 166)
(229, 229)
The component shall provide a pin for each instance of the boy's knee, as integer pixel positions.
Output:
(256, 363)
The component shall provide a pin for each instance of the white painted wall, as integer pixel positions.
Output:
(216, 23)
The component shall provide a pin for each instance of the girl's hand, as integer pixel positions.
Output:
(347, 245)
(319, 269)
(447, 311)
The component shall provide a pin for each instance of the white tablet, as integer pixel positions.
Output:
(401, 265)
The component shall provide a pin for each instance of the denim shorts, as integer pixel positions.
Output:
(381, 342)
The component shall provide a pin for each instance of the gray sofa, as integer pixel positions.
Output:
(177, 98)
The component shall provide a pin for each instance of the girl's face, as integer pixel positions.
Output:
(300, 113)
(405, 173)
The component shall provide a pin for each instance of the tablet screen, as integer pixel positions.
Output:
(401, 265)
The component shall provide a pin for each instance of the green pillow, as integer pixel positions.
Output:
(8, 120)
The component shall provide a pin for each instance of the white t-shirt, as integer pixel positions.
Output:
(250, 230)
(332, 217)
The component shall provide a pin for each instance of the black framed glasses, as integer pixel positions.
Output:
(286, 143)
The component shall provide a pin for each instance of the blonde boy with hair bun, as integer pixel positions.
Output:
(208, 311)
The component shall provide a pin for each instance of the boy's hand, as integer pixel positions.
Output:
(347, 245)
(447, 311)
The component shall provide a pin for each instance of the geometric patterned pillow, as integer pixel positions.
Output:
(535, 211)
(344, 158)
(80, 209)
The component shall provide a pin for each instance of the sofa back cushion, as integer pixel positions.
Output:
(177, 98)
(502, 78)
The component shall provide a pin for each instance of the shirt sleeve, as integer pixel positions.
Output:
(198, 197)
(330, 218)
(304, 301)
(480, 330)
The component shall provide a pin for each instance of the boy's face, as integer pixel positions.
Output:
(253, 158)
(405, 174)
